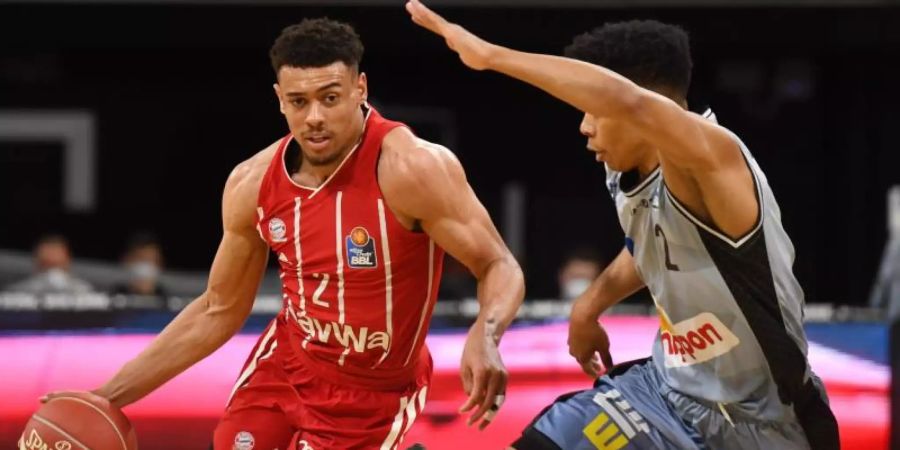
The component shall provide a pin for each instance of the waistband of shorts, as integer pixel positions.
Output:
(375, 379)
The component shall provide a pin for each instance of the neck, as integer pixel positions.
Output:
(648, 165)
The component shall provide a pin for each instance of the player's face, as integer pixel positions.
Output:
(614, 142)
(322, 108)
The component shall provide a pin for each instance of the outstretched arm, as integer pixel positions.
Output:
(687, 138)
(217, 314)
(702, 162)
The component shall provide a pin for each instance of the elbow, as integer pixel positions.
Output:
(636, 105)
(507, 269)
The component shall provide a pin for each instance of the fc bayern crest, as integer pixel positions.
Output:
(277, 230)
(244, 441)
(361, 250)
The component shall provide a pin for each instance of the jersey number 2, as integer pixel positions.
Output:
(659, 233)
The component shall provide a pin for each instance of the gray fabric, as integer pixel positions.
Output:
(659, 418)
(706, 347)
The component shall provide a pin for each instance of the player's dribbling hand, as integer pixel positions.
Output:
(587, 340)
(56, 394)
(473, 51)
(483, 375)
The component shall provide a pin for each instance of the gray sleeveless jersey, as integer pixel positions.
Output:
(730, 310)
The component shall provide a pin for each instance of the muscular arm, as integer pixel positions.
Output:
(217, 314)
(702, 163)
(426, 182)
(686, 139)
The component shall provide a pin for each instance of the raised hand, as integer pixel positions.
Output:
(473, 51)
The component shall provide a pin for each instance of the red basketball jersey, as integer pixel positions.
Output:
(358, 287)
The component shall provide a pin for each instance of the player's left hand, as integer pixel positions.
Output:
(483, 375)
(473, 51)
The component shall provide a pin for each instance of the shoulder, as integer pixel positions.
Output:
(407, 160)
(417, 176)
(239, 200)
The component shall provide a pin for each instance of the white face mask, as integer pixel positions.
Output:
(143, 271)
(575, 287)
(56, 277)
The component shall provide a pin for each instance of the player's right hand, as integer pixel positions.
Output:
(473, 51)
(589, 344)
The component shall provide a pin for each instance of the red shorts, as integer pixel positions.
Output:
(281, 403)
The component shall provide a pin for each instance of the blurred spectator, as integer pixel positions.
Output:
(578, 270)
(52, 259)
(143, 262)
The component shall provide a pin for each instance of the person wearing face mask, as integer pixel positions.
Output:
(703, 233)
(52, 259)
(358, 212)
(578, 270)
(143, 262)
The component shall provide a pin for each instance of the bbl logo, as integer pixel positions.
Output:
(361, 249)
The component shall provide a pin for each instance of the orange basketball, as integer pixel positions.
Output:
(359, 236)
(78, 421)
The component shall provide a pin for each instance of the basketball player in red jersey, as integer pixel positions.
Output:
(358, 211)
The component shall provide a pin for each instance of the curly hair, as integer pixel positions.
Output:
(652, 54)
(316, 43)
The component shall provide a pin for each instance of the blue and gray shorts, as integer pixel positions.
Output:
(632, 408)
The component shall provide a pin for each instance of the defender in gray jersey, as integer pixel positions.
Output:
(703, 233)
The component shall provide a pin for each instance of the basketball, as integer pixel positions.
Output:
(359, 236)
(78, 421)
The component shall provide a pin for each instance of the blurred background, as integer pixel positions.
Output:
(120, 121)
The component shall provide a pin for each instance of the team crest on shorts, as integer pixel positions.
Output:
(361, 250)
(243, 441)
(277, 230)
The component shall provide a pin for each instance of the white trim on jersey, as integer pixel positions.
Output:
(339, 253)
(392, 436)
(649, 179)
(710, 115)
(256, 358)
(298, 253)
(388, 282)
(259, 211)
(760, 210)
(427, 300)
(346, 158)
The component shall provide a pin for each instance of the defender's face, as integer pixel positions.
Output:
(322, 108)
(614, 142)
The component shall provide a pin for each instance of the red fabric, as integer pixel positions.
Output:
(348, 263)
(284, 403)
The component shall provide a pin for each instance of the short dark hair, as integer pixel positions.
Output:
(582, 253)
(652, 54)
(316, 43)
(139, 240)
(51, 238)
